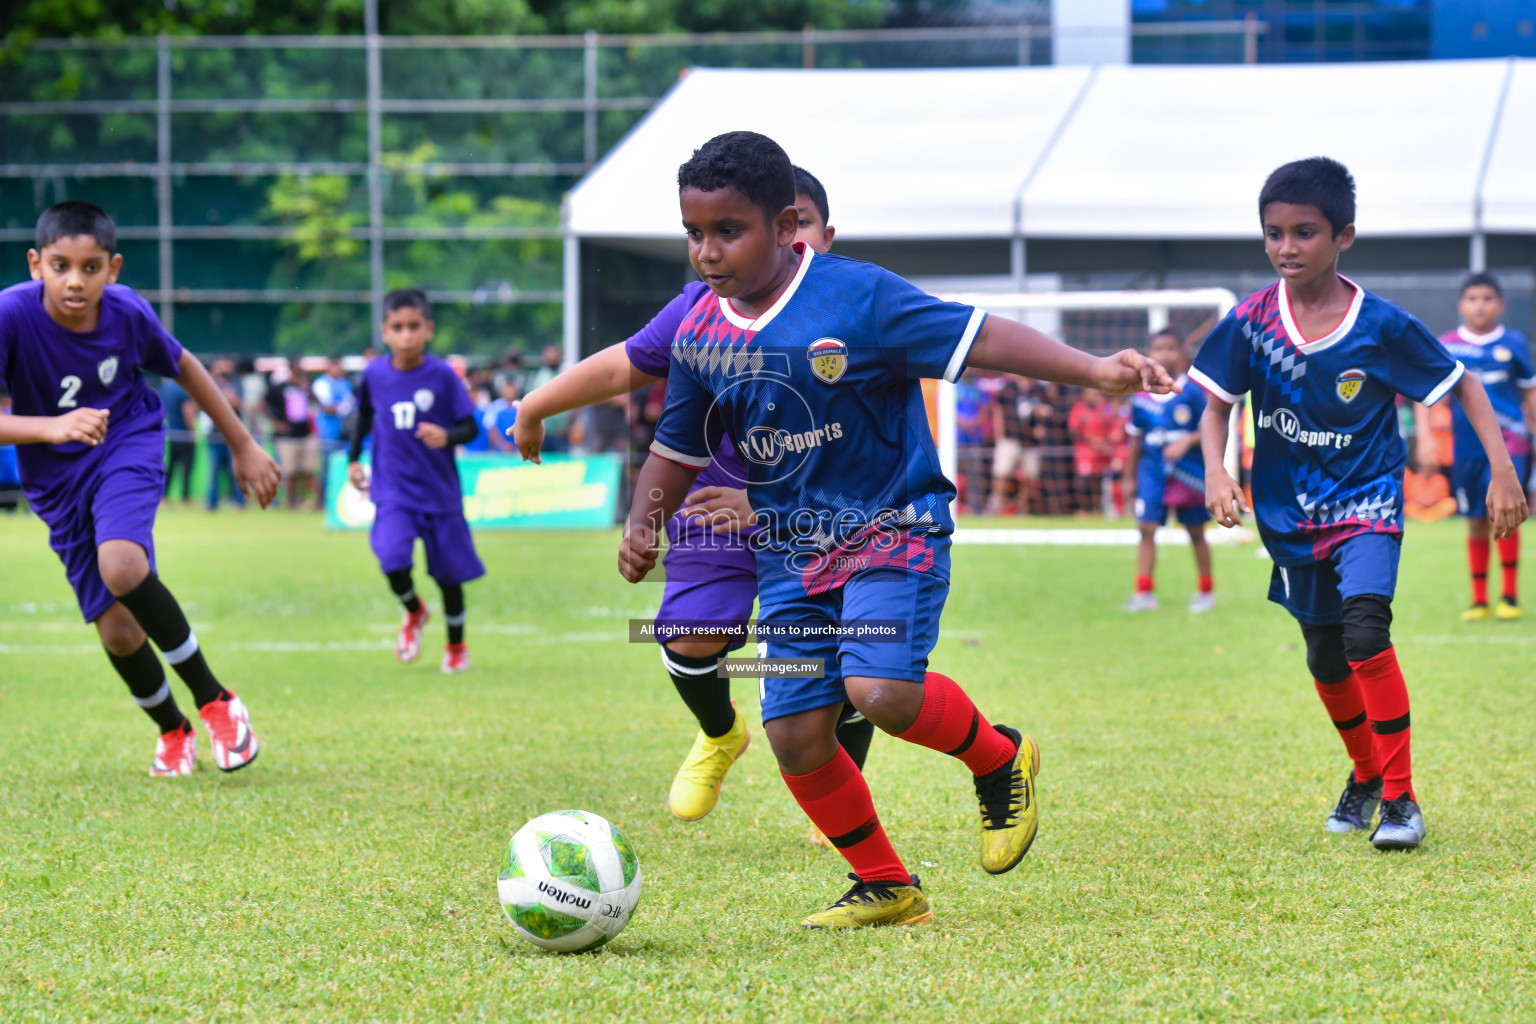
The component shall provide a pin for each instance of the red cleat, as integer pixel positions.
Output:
(175, 753)
(229, 729)
(455, 658)
(408, 640)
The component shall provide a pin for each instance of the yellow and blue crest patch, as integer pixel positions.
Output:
(1502, 354)
(1347, 385)
(829, 359)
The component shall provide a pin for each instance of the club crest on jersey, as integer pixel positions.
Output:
(1347, 385)
(1502, 354)
(829, 359)
(1181, 415)
(423, 400)
(107, 370)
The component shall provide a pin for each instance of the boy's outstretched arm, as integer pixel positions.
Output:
(1223, 496)
(659, 491)
(1011, 347)
(596, 378)
(1506, 497)
(87, 426)
(253, 469)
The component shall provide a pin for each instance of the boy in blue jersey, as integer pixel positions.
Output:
(711, 569)
(422, 412)
(1325, 361)
(1168, 476)
(1500, 358)
(74, 346)
(811, 364)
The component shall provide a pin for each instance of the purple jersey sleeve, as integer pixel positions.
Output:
(649, 349)
(159, 353)
(459, 402)
(1418, 365)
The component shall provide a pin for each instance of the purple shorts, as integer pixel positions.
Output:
(109, 503)
(711, 580)
(451, 557)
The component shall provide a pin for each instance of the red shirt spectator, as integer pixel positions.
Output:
(1096, 428)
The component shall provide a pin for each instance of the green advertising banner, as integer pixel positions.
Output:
(501, 492)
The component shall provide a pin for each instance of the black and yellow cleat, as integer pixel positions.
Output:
(872, 904)
(1476, 613)
(1009, 814)
(1508, 609)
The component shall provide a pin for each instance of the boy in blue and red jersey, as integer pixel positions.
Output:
(1500, 358)
(811, 364)
(1169, 476)
(1325, 361)
(422, 412)
(74, 346)
(710, 565)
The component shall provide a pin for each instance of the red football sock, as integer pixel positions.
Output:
(1509, 559)
(1143, 584)
(950, 723)
(1386, 702)
(1477, 558)
(836, 798)
(1207, 584)
(1346, 706)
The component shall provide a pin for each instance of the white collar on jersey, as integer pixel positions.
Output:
(807, 253)
(1467, 335)
(1344, 326)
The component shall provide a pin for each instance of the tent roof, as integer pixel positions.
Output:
(1118, 152)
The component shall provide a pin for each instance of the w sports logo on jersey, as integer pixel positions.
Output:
(829, 359)
(1347, 385)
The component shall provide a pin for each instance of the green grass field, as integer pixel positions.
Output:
(1181, 871)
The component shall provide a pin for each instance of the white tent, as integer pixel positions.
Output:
(1439, 149)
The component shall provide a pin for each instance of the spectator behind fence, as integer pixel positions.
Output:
(1097, 428)
(10, 469)
(557, 428)
(334, 395)
(972, 418)
(1053, 441)
(1014, 446)
(499, 416)
(221, 463)
(180, 414)
(298, 451)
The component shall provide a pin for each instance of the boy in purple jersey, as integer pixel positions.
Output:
(710, 566)
(812, 364)
(74, 346)
(1325, 361)
(1168, 475)
(422, 411)
(1501, 359)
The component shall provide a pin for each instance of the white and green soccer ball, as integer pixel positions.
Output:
(569, 881)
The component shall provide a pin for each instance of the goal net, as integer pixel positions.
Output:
(1019, 447)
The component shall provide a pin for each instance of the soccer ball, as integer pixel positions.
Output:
(569, 881)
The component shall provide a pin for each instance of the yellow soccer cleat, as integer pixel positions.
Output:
(1009, 814)
(1477, 613)
(1507, 610)
(872, 904)
(696, 787)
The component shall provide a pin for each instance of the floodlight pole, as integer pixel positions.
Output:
(375, 168)
(166, 213)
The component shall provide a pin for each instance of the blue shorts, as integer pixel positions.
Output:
(916, 598)
(711, 580)
(451, 557)
(1314, 593)
(1470, 478)
(109, 503)
(1157, 492)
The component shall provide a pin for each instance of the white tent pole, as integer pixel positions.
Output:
(570, 290)
(1018, 255)
(1477, 254)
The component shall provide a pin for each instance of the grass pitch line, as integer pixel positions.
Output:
(1094, 538)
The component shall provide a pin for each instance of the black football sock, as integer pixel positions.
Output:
(161, 617)
(400, 583)
(855, 732)
(453, 611)
(706, 694)
(146, 682)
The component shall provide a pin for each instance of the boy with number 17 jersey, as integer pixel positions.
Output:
(1324, 361)
(417, 410)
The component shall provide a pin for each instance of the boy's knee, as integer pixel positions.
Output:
(119, 631)
(1325, 653)
(1367, 626)
(802, 743)
(697, 646)
(123, 565)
